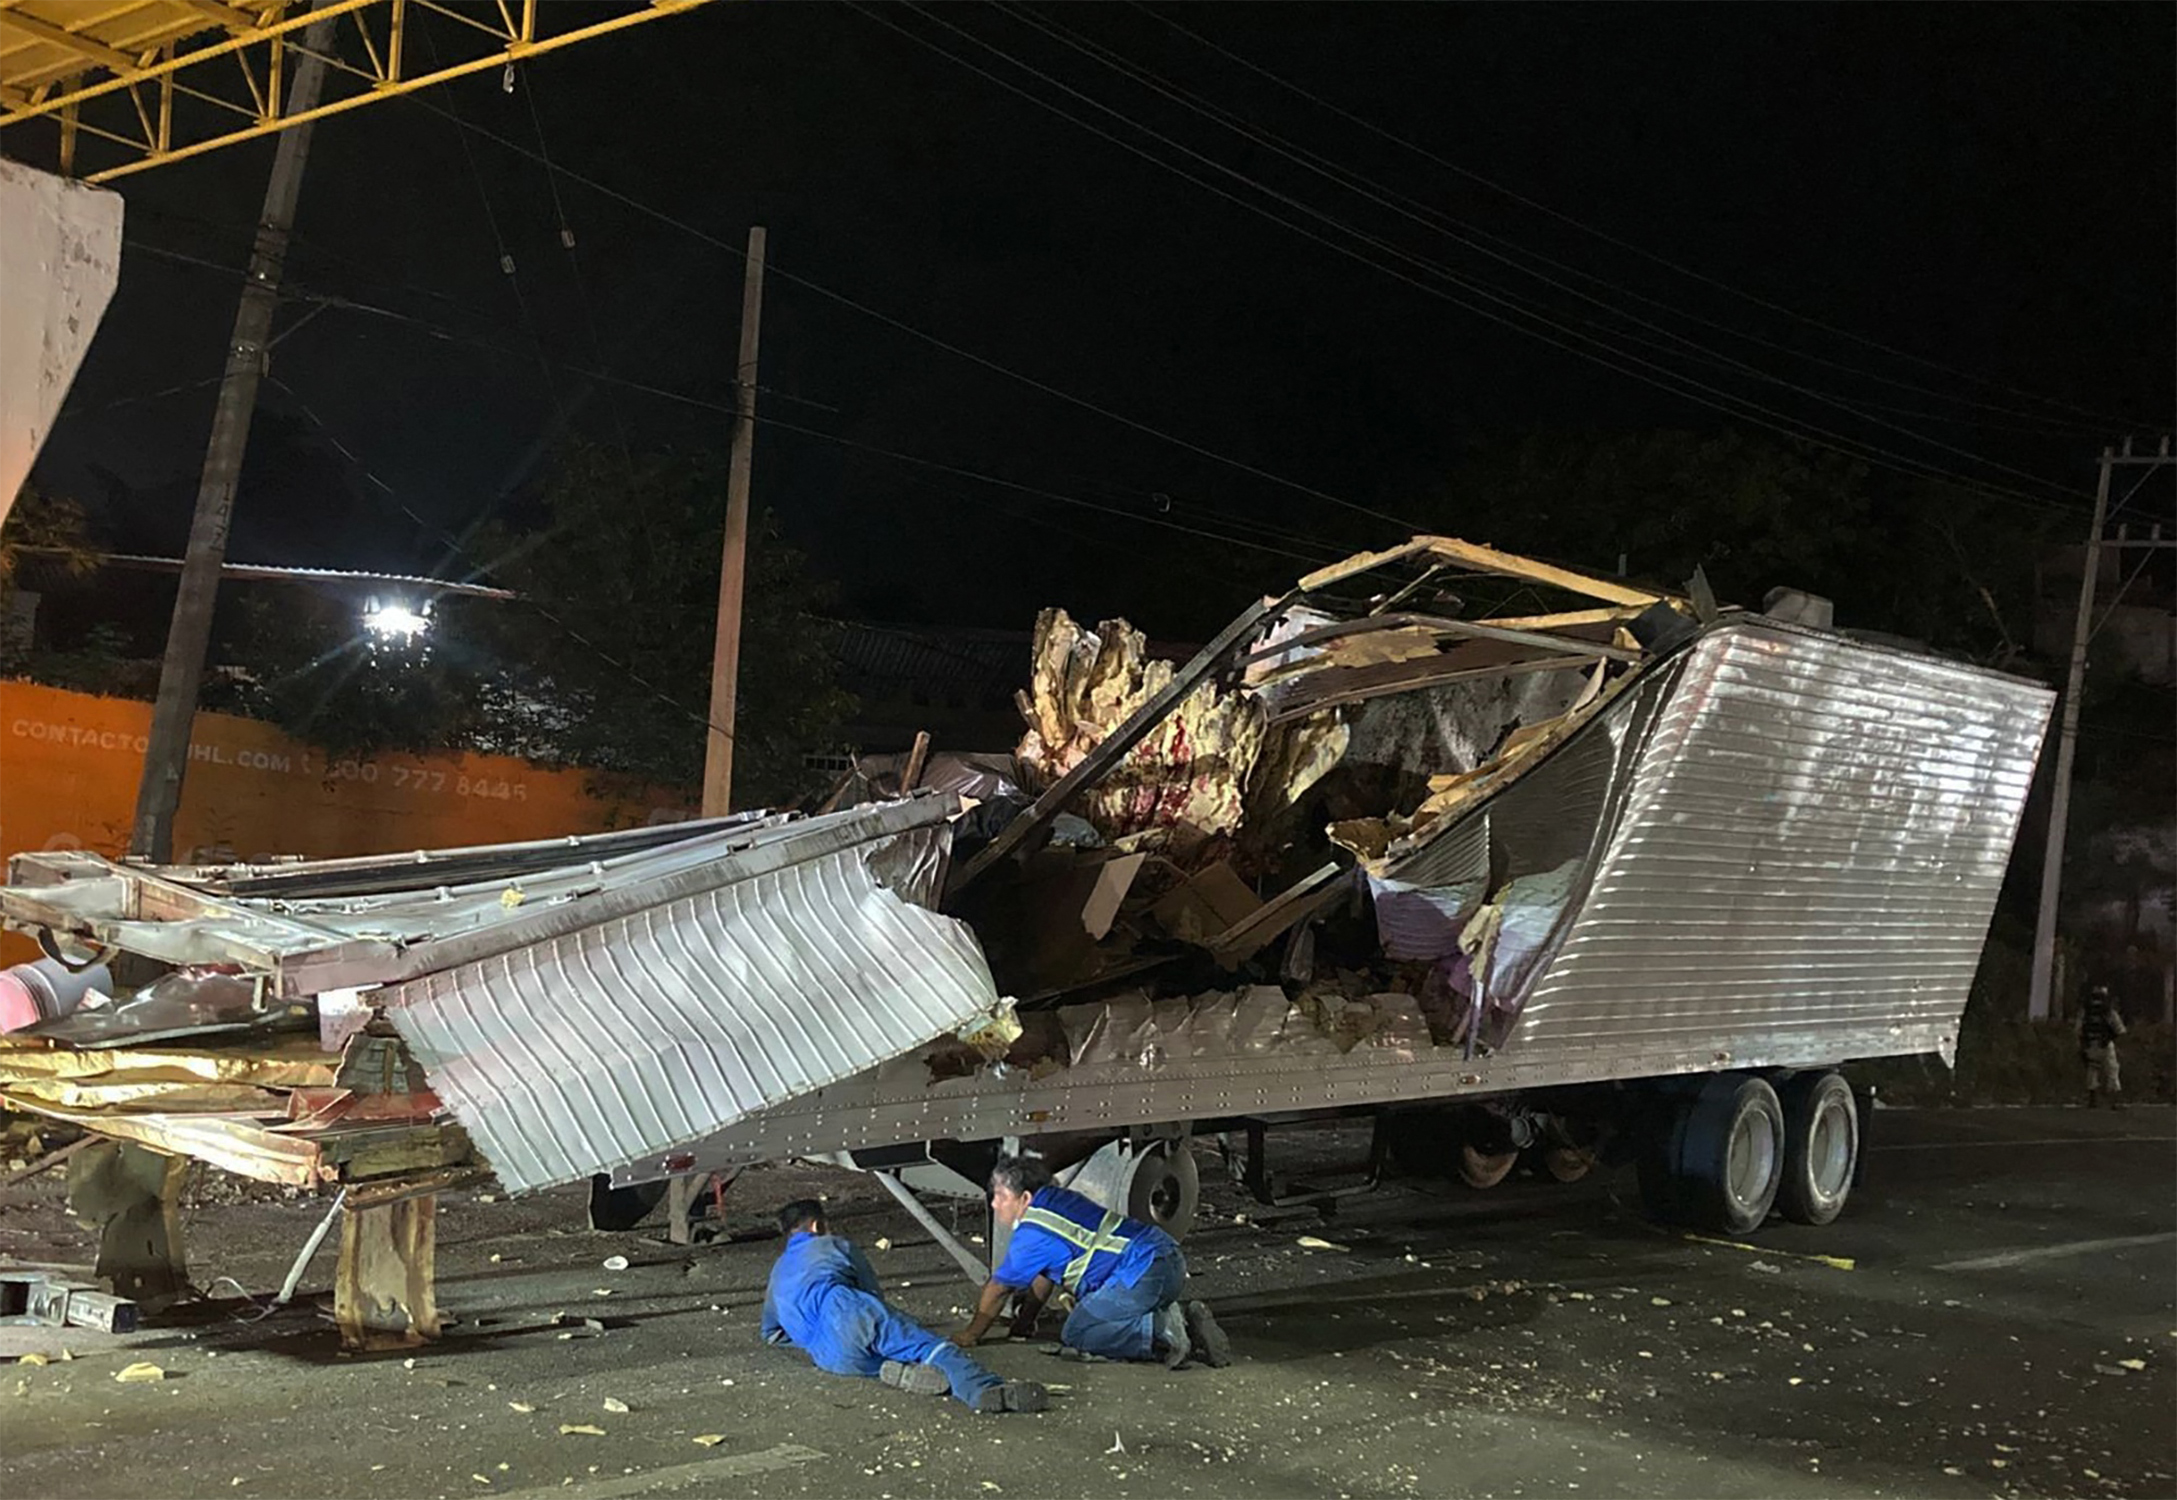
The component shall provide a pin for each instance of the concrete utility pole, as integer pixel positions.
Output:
(188, 637)
(2039, 1004)
(733, 566)
(2067, 744)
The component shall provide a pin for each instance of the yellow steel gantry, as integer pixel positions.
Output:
(111, 70)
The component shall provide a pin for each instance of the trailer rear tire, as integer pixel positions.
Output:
(1479, 1168)
(1165, 1188)
(1567, 1163)
(1731, 1154)
(1821, 1148)
(1664, 1190)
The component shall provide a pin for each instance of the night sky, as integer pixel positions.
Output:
(1988, 188)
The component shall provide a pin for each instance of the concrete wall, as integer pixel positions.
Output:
(70, 763)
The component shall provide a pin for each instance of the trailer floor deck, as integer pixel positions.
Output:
(2007, 1328)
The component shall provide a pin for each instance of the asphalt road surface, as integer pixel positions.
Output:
(1993, 1316)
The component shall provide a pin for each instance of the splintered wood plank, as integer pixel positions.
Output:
(384, 1296)
(1571, 619)
(1479, 559)
(1364, 562)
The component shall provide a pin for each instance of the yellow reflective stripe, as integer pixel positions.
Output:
(1089, 1244)
(1058, 1224)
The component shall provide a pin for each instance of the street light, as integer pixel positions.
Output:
(396, 621)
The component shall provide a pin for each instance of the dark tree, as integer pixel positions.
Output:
(607, 656)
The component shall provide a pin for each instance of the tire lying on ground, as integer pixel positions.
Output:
(1821, 1147)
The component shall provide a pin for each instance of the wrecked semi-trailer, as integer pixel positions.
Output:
(1637, 875)
(1634, 877)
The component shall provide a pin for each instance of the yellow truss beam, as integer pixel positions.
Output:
(183, 41)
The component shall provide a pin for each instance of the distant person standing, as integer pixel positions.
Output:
(2100, 1024)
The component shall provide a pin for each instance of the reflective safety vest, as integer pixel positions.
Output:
(1087, 1243)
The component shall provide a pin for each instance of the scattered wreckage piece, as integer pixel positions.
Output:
(53, 1300)
(573, 1011)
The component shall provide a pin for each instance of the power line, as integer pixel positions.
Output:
(2125, 587)
(957, 351)
(1663, 378)
(1454, 230)
(1623, 244)
(574, 259)
(1326, 550)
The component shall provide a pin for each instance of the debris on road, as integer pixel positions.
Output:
(141, 1372)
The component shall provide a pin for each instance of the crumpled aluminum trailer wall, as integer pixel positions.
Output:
(1778, 847)
(1794, 845)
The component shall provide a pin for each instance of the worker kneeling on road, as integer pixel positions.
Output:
(823, 1297)
(1125, 1278)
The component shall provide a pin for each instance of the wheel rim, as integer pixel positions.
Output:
(1830, 1149)
(1750, 1171)
(1164, 1197)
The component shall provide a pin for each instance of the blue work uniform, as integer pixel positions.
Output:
(1120, 1271)
(823, 1298)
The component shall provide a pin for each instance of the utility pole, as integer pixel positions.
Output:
(733, 566)
(2038, 1004)
(188, 637)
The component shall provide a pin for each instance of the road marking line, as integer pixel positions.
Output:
(2055, 1140)
(679, 1476)
(2007, 1258)
(1834, 1262)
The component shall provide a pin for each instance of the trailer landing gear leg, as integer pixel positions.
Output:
(383, 1297)
(134, 1196)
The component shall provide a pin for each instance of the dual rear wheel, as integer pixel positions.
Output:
(1739, 1147)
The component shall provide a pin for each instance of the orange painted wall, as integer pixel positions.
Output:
(70, 762)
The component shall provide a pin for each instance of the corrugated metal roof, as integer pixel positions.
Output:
(627, 1037)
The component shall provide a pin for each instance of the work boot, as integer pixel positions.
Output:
(1171, 1336)
(1209, 1340)
(915, 1379)
(1011, 1395)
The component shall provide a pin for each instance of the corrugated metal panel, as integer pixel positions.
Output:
(629, 1036)
(1811, 839)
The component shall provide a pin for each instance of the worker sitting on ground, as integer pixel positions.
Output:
(823, 1297)
(2100, 1024)
(1124, 1278)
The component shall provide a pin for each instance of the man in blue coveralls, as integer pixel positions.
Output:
(823, 1297)
(1124, 1278)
